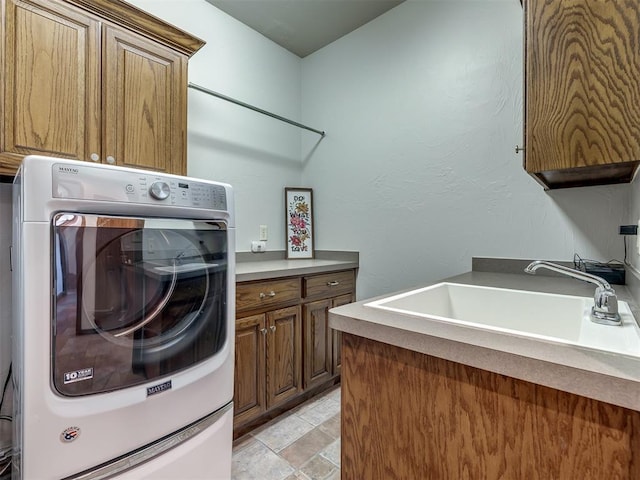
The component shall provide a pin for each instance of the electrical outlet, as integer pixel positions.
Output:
(264, 233)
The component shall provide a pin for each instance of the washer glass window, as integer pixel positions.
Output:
(134, 299)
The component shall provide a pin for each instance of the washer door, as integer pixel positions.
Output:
(135, 299)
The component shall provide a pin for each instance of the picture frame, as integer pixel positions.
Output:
(299, 228)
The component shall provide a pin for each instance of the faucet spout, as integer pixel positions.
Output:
(605, 308)
(599, 281)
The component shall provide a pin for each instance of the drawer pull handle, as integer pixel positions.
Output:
(270, 294)
(263, 331)
(273, 328)
(335, 283)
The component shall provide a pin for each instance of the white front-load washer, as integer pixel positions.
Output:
(123, 323)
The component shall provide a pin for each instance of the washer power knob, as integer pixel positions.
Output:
(160, 190)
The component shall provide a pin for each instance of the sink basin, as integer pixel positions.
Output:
(550, 317)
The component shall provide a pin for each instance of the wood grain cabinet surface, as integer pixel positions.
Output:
(285, 351)
(406, 415)
(582, 95)
(97, 80)
(267, 361)
(321, 343)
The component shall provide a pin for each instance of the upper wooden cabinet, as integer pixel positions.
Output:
(582, 94)
(93, 80)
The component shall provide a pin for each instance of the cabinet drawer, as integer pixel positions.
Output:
(329, 284)
(252, 296)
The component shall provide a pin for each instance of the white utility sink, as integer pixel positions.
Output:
(546, 316)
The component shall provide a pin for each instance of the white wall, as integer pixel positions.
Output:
(256, 154)
(632, 219)
(423, 109)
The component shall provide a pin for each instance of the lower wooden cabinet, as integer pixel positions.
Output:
(318, 367)
(284, 348)
(250, 374)
(322, 350)
(267, 366)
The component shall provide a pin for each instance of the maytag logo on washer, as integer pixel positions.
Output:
(71, 170)
(78, 375)
(70, 434)
(161, 387)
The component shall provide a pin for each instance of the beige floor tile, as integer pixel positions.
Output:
(319, 412)
(334, 476)
(332, 452)
(332, 426)
(334, 394)
(283, 433)
(256, 461)
(243, 442)
(303, 449)
(318, 468)
(297, 476)
(303, 444)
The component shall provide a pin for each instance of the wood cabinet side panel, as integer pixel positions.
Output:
(408, 415)
(582, 90)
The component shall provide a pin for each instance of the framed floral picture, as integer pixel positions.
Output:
(298, 204)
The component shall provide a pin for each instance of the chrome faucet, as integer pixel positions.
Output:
(605, 308)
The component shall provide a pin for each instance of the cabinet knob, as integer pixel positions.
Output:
(273, 328)
(519, 149)
(270, 294)
(263, 331)
(95, 157)
(111, 160)
(335, 283)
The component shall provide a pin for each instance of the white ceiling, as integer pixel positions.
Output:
(304, 26)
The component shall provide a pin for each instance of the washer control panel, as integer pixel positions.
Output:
(113, 184)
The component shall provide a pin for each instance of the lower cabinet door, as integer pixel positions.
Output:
(249, 399)
(336, 336)
(317, 343)
(284, 350)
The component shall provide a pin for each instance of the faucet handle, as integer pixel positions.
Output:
(606, 300)
(605, 309)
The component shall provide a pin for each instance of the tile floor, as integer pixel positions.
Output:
(302, 444)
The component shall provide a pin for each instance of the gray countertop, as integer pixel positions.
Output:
(600, 375)
(261, 267)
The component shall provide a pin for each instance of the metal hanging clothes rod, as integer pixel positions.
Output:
(255, 109)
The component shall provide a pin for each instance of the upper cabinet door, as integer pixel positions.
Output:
(144, 103)
(51, 101)
(96, 80)
(582, 94)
